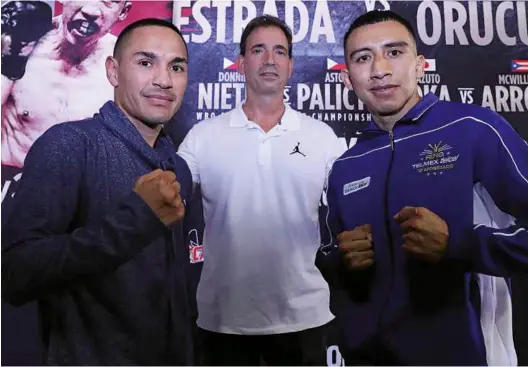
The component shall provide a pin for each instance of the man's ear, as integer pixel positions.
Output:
(125, 10)
(420, 67)
(241, 64)
(112, 68)
(291, 68)
(345, 77)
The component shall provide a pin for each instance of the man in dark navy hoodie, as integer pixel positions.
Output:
(421, 212)
(96, 234)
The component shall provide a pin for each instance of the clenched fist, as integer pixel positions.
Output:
(425, 234)
(356, 247)
(161, 191)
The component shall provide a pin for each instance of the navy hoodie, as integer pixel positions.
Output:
(109, 276)
(466, 164)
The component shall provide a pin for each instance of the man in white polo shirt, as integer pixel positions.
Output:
(262, 169)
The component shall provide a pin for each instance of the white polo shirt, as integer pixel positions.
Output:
(261, 194)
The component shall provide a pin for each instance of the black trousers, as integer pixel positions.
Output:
(302, 348)
(370, 357)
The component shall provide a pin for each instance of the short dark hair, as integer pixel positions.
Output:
(146, 22)
(377, 16)
(266, 21)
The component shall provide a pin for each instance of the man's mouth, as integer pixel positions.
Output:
(269, 74)
(83, 28)
(381, 88)
(161, 97)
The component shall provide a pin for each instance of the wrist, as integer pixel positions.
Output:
(459, 245)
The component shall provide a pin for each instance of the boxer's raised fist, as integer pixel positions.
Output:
(23, 24)
(161, 192)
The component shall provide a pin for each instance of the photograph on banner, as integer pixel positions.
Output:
(53, 67)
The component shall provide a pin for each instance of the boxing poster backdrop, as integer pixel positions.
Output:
(476, 52)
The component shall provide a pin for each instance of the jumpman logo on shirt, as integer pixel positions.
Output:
(296, 150)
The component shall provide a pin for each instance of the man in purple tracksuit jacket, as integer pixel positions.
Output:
(421, 212)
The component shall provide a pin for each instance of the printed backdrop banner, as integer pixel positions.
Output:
(476, 52)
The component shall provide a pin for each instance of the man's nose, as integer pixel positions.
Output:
(162, 78)
(269, 57)
(380, 67)
(91, 11)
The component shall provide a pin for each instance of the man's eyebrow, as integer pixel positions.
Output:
(150, 55)
(179, 60)
(387, 45)
(153, 56)
(353, 52)
(396, 44)
(275, 47)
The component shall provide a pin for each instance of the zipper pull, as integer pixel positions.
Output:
(391, 137)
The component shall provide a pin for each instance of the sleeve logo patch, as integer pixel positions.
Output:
(354, 186)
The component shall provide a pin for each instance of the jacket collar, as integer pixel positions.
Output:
(289, 121)
(414, 114)
(115, 120)
(419, 109)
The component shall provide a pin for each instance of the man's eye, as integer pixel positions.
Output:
(363, 58)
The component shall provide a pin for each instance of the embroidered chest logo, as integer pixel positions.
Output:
(354, 186)
(436, 160)
(297, 151)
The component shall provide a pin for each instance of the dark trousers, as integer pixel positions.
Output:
(302, 348)
(363, 357)
(371, 353)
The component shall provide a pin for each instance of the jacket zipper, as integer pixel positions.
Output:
(388, 219)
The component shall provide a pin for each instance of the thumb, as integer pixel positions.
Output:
(365, 228)
(167, 191)
(405, 214)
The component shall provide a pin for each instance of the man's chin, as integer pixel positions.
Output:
(270, 91)
(153, 125)
(155, 121)
(159, 116)
(388, 112)
(385, 109)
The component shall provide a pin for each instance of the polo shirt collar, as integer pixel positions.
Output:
(289, 121)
